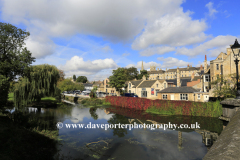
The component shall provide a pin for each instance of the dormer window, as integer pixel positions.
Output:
(129, 85)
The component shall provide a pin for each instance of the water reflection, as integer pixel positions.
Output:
(122, 143)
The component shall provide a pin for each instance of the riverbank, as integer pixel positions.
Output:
(169, 107)
(91, 102)
(44, 103)
(213, 109)
(17, 142)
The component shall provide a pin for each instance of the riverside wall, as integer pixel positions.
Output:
(227, 146)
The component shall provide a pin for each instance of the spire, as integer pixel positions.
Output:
(142, 66)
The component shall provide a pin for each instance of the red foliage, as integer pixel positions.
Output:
(144, 104)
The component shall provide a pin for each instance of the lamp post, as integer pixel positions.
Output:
(236, 45)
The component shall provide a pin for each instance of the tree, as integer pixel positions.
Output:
(143, 72)
(132, 73)
(14, 58)
(68, 85)
(74, 77)
(82, 79)
(118, 79)
(41, 82)
(93, 92)
(62, 75)
(225, 87)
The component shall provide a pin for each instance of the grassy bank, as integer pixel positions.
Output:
(210, 109)
(17, 142)
(95, 102)
(45, 101)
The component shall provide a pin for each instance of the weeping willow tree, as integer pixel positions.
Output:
(41, 82)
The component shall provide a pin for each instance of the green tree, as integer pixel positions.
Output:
(74, 77)
(82, 79)
(41, 82)
(14, 58)
(143, 72)
(118, 79)
(132, 73)
(68, 85)
(225, 87)
(93, 92)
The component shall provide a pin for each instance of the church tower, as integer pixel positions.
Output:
(142, 67)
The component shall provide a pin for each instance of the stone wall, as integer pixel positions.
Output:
(227, 145)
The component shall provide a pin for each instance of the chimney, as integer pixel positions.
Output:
(188, 66)
(192, 76)
(144, 77)
(166, 69)
(201, 68)
(178, 78)
(205, 64)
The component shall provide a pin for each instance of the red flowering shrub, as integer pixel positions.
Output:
(180, 107)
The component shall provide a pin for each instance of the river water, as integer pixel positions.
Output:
(123, 143)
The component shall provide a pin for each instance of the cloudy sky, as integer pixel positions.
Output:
(93, 37)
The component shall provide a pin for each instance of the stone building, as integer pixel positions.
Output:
(223, 65)
(172, 73)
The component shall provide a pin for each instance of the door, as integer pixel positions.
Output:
(172, 96)
(144, 94)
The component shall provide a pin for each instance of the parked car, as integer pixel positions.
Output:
(130, 95)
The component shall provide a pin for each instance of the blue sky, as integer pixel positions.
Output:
(93, 37)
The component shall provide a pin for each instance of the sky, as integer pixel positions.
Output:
(92, 37)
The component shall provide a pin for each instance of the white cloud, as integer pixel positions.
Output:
(40, 46)
(114, 20)
(168, 62)
(156, 50)
(211, 10)
(76, 65)
(146, 65)
(212, 47)
(171, 62)
(175, 29)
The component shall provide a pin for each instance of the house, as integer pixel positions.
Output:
(87, 86)
(146, 88)
(183, 93)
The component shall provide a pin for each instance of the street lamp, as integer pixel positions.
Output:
(236, 45)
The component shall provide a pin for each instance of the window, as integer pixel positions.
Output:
(129, 91)
(189, 75)
(207, 78)
(171, 76)
(164, 85)
(183, 96)
(129, 85)
(157, 85)
(217, 66)
(182, 75)
(164, 96)
(198, 96)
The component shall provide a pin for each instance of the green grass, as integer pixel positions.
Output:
(155, 110)
(10, 96)
(48, 99)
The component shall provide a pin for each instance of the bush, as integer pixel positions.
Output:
(207, 109)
